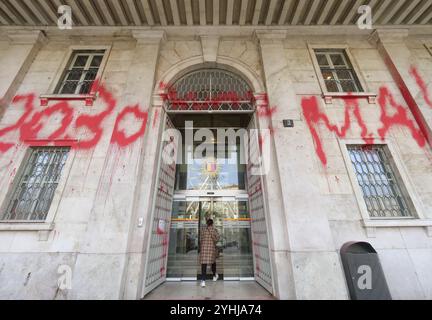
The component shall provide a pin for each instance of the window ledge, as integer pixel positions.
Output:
(25, 226)
(371, 224)
(328, 96)
(88, 98)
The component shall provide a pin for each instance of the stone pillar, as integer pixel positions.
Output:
(107, 266)
(283, 280)
(399, 60)
(19, 51)
(140, 87)
(307, 265)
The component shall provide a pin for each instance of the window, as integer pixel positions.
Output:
(337, 71)
(384, 195)
(35, 184)
(80, 72)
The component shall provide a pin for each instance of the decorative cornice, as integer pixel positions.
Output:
(388, 36)
(149, 36)
(210, 46)
(272, 34)
(26, 36)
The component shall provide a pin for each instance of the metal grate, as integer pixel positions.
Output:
(160, 225)
(381, 191)
(261, 251)
(210, 89)
(33, 193)
(337, 71)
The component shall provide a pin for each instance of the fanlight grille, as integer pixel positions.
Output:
(212, 90)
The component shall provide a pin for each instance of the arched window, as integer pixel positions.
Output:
(211, 90)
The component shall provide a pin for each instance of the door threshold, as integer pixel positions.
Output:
(181, 279)
(239, 278)
(225, 278)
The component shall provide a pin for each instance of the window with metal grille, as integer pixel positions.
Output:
(384, 194)
(337, 71)
(81, 71)
(35, 184)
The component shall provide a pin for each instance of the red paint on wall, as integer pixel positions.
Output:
(28, 106)
(400, 118)
(422, 85)
(31, 123)
(313, 116)
(409, 99)
(30, 129)
(119, 136)
(400, 115)
(94, 122)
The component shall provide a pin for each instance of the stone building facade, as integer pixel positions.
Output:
(102, 215)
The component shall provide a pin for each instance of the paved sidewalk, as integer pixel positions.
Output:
(220, 290)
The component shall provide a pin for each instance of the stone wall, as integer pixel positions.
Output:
(312, 208)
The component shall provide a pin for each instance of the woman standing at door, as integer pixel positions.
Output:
(209, 238)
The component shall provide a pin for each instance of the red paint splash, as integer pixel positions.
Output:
(29, 126)
(193, 101)
(155, 117)
(30, 129)
(421, 84)
(119, 136)
(28, 106)
(265, 111)
(94, 122)
(313, 116)
(400, 118)
(418, 128)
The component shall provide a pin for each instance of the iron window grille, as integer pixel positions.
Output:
(34, 189)
(81, 72)
(337, 71)
(210, 89)
(384, 195)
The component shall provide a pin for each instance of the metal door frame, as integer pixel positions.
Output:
(239, 195)
(254, 124)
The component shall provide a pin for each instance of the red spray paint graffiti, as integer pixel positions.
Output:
(94, 122)
(119, 136)
(32, 122)
(313, 115)
(29, 100)
(400, 118)
(422, 85)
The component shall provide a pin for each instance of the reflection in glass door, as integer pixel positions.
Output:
(236, 238)
(231, 219)
(183, 242)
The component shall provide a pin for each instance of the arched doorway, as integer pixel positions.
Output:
(210, 114)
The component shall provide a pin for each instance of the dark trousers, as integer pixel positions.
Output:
(204, 270)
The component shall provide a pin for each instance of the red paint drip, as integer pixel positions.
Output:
(411, 102)
(313, 115)
(398, 119)
(155, 118)
(422, 85)
(29, 100)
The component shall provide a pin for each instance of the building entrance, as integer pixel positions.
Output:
(204, 174)
(232, 221)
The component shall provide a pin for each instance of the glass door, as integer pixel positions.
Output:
(232, 221)
(236, 238)
(183, 242)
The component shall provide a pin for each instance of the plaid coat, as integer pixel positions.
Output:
(209, 237)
